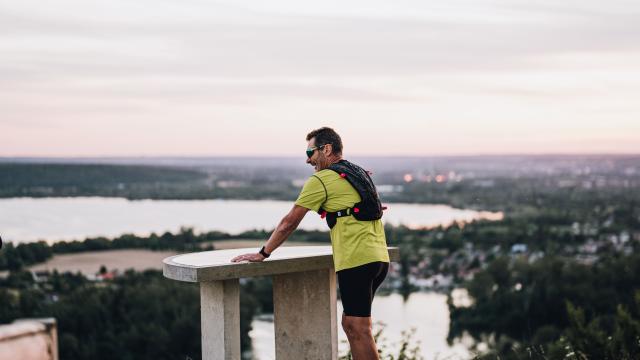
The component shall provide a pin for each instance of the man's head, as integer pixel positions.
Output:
(324, 147)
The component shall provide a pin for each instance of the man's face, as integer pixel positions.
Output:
(317, 158)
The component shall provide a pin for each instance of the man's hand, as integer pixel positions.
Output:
(253, 257)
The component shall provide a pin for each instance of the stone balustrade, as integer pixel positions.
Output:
(304, 298)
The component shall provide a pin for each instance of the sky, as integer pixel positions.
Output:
(253, 77)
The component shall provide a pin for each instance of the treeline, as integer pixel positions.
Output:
(81, 175)
(85, 179)
(137, 182)
(555, 307)
(15, 257)
(135, 316)
(545, 231)
(515, 195)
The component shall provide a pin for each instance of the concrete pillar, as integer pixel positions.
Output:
(220, 317)
(52, 329)
(305, 321)
(29, 339)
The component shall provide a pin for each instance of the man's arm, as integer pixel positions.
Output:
(286, 226)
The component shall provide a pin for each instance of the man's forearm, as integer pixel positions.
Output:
(279, 235)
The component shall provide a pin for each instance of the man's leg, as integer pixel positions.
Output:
(361, 342)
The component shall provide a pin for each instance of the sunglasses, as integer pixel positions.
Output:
(310, 151)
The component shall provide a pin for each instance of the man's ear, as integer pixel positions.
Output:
(329, 151)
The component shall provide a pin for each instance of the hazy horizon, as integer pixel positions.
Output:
(247, 78)
(302, 158)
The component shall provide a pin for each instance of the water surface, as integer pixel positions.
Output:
(53, 219)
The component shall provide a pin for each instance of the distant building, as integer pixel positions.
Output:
(590, 247)
(484, 183)
(437, 281)
(389, 189)
(108, 275)
(40, 276)
(227, 184)
(537, 255)
(518, 248)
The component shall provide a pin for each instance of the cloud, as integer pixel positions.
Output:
(76, 59)
(126, 43)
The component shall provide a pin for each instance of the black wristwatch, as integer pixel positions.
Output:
(264, 253)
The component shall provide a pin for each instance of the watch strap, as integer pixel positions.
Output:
(264, 253)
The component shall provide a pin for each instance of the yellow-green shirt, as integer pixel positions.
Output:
(354, 242)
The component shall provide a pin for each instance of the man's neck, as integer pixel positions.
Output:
(332, 159)
(328, 161)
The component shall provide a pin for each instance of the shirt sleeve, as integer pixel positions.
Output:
(313, 194)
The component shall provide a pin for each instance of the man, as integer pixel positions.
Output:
(359, 247)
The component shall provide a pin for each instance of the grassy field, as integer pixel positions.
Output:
(89, 263)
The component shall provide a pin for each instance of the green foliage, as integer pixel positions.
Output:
(185, 239)
(140, 315)
(15, 257)
(605, 336)
(555, 307)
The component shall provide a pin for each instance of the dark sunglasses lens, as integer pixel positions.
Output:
(310, 153)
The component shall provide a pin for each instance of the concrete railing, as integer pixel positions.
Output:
(29, 339)
(304, 299)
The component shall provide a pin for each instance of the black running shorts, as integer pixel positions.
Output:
(358, 285)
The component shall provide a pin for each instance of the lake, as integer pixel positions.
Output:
(54, 219)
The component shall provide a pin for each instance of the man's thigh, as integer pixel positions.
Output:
(356, 290)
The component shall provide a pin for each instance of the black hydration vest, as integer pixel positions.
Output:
(369, 208)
